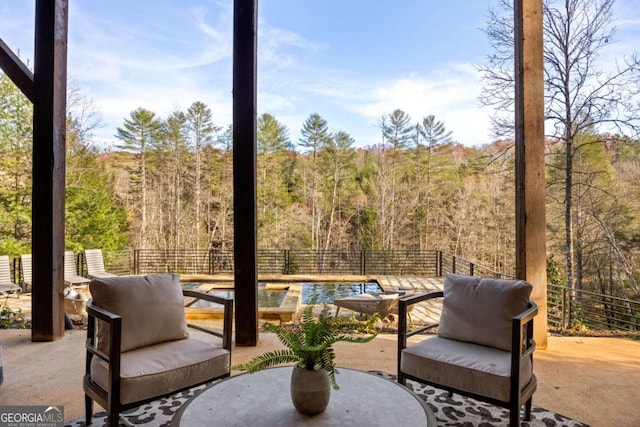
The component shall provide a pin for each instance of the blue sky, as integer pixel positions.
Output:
(351, 61)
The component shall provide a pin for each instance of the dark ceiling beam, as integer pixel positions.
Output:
(245, 18)
(16, 70)
(49, 144)
(531, 251)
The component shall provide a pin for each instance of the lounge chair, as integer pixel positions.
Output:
(27, 275)
(95, 264)
(71, 276)
(6, 285)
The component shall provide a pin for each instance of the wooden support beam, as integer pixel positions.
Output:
(244, 170)
(531, 251)
(15, 69)
(49, 141)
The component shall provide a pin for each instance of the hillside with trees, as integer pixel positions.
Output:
(167, 182)
(168, 185)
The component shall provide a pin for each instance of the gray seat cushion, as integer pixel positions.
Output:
(480, 310)
(151, 307)
(163, 368)
(464, 366)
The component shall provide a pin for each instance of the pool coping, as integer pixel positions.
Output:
(288, 309)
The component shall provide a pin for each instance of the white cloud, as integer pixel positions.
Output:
(157, 66)
(178, 58)
(118, 101)
(104, 49)
(279, 48)
(450, 93)
(270, 101)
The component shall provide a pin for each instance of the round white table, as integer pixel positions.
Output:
(263, 399)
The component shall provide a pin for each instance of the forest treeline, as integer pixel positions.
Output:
(167, 184)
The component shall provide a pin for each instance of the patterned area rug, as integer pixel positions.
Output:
(449, 411)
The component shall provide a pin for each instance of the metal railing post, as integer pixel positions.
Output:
(471, 269)
(15, 275)
(564, 308)
(136, 261)
(453, 264)
(80, 263)
(570, 299)
(287, 261)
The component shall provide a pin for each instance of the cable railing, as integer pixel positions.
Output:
(452, 264)
(570, 308)
(367, 262)
(288, 261)
(566, 308)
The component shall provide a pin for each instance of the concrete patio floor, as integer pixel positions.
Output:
(593, 380)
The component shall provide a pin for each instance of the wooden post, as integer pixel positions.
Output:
(46, 88)
(531, 255)
(244, 170)
(49, 144)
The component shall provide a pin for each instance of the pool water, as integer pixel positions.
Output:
(325, 293)
(266, 298)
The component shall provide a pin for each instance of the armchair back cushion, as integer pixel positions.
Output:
(480, 310)
(151, 307)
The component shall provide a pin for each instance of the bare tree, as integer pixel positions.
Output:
(582, 92)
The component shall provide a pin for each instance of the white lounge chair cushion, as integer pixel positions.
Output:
(464, 366)
(6, 285)
(480, 310)
(152, 309)
(162, 368)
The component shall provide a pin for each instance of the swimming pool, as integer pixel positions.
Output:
(327, 292)
(273, 296)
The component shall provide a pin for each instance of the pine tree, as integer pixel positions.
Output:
(431, 134)
(274, 198)
(203, 131)
(315, 133)
(15, 168)
(139, 133)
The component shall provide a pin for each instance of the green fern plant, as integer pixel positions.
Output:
(310, 343)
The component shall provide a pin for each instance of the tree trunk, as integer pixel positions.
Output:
(143, 183)
(197, 187)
